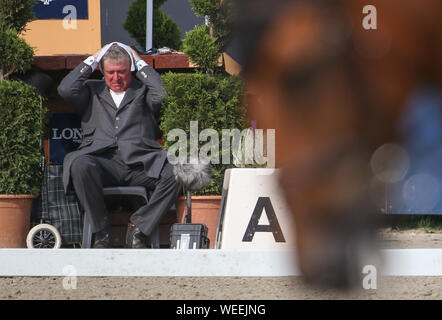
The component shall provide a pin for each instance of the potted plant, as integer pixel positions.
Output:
(21, 125)
(209, 99)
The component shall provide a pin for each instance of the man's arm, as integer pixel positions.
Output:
(72, 87)
(152, 79)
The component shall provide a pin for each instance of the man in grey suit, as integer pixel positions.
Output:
(119, 119)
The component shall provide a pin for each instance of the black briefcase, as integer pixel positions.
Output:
(189, 236)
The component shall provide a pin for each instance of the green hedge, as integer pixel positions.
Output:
(21, 127)
(17, 13)
(202, 49)
(215, 102)
(15, 54)
(220, 17)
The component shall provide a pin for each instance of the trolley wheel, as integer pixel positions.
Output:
(43, 236)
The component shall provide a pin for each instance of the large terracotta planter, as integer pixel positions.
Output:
(15, 216)
(205, 210)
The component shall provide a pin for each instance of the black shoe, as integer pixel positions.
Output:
(135, 239)
(102, 239)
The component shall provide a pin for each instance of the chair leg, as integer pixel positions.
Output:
(155, 237)
(87, 233)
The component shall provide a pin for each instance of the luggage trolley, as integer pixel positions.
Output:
(57, 217)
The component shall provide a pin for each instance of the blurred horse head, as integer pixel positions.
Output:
(335, 92)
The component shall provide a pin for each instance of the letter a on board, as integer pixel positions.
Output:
(273, 226)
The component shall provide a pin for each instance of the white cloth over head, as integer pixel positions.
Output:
(125, 47)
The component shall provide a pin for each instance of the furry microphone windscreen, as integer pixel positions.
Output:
(193, 174)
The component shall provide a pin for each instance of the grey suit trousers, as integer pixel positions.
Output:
(92, 172)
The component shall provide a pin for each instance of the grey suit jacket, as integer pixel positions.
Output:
(133, 127)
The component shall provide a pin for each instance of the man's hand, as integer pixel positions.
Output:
(135, 54)
(95, 55)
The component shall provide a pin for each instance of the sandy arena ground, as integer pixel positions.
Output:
(281, 288)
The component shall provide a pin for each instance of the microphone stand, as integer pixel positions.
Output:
(189, 207)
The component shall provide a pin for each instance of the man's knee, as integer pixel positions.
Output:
(83, 166)
(168, 176)
(167, 172)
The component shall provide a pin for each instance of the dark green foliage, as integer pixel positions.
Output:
(15, 54)
(204, 44)
(17, 13)
(220, 16)
(166, 32)
(21, 114)
(429, 223)
(202, 49)
(20, 131)
(135, 22)
(215, 102)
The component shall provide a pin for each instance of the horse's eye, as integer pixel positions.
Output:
(300, 81)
